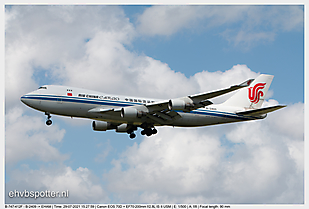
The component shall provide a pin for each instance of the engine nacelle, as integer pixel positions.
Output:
(131, 112)
(180, 104)
(122, 128)
(101, 126)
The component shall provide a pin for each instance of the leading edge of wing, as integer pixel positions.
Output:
(209, 95)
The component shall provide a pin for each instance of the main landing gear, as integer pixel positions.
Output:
(48, 121)
(131, 132)
(149, 131)
(132, 135)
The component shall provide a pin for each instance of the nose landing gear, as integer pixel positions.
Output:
(48, 121)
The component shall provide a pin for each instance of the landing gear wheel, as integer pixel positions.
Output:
(49, 122)
(154, 131)
(143, 132)
(132, 135)
(149, 131)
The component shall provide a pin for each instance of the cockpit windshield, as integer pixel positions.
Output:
(43, 87)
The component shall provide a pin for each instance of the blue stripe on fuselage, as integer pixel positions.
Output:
(80, 100)
(126, 104)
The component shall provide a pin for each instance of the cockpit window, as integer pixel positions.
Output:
(43, 87)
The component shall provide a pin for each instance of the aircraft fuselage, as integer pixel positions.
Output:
(76, 102)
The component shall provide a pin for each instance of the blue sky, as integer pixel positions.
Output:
(285, 54)
(160, 52)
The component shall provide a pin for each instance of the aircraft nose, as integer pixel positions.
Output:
(31, 100)
(23, 99)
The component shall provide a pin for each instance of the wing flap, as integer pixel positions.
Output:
(261, 111)
(157, 106)
(163, 117)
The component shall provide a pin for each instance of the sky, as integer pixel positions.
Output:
(158, 52)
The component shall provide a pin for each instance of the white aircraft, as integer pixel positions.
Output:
(126, 114)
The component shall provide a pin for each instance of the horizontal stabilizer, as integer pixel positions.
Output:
(260, 111)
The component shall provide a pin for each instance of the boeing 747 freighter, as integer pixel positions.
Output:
(127, 114)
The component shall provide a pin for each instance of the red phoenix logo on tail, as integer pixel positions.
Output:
(256, 92)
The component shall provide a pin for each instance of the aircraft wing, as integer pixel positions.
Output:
(163, 116)
(199, 100)
(162, 112)
(209, 95)
(261, 111)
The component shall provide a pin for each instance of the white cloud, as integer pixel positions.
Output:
(46, 38)
(167, 163)
(246, 38)
(244, 25)
(18, 72)
(167, 20)
(85, 46)
(252, 162)
(116, 67)
(292, 116)
(27, 137)
(92, 53)
(208, 81)
(82, 185)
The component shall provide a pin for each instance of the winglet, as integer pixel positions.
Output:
(246, 83)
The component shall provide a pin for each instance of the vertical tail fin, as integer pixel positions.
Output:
(252, 96)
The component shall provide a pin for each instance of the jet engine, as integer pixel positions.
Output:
(101, 126)
(132, 112)
(184, 104)
(123, 128)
